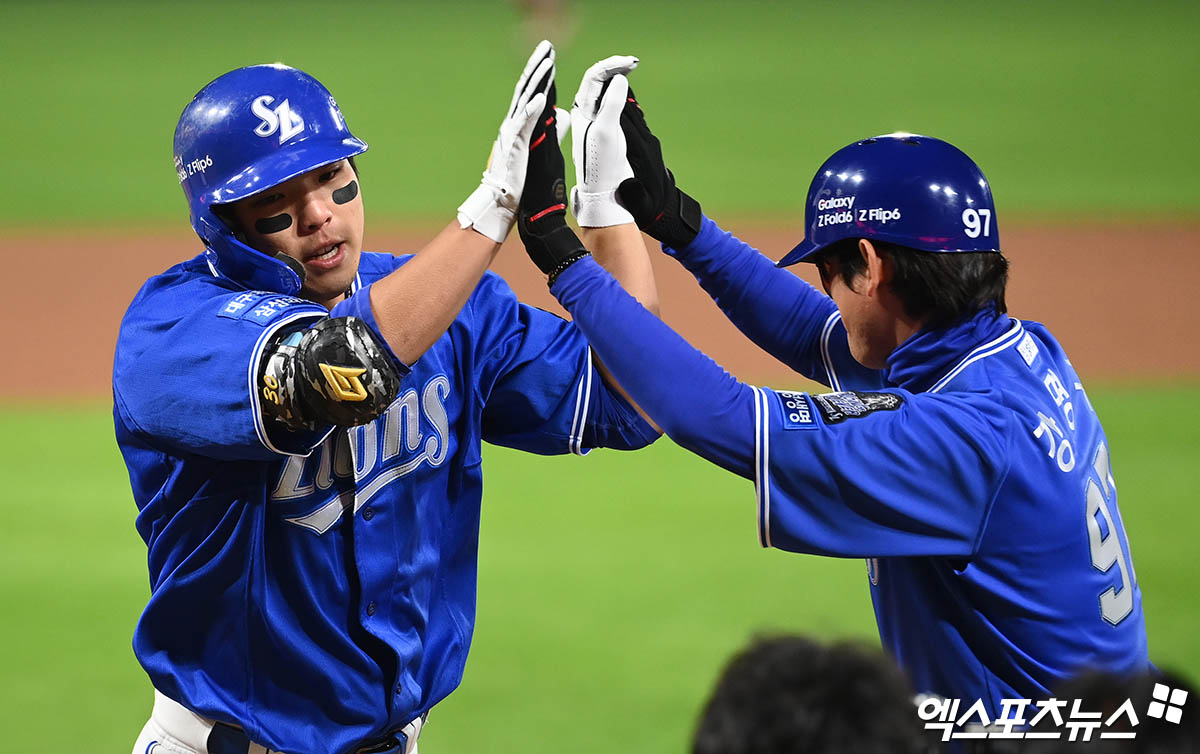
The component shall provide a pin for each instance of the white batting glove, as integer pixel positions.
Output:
(562, 124)
(598, 147)
(492, 208)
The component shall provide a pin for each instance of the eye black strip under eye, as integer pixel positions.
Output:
(273, 224)
(346, 193)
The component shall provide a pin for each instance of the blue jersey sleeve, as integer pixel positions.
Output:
(782, 314)
(696, 402)
(187, 358)
(851, 474)
(876, 474)
(539, 386)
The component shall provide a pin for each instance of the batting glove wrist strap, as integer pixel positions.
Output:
(600, 209)
(679, 222)
(660, 208)
(552, 245)
(663, 211)
(490, 211)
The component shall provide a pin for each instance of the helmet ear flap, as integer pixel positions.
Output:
(230, 256)
(224, 213)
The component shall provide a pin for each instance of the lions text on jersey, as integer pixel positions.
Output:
(317, 588)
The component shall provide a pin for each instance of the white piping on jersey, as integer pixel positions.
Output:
(826, 332)
(583, 396)
(255, 406)
(211, 268)
(762, 459)
(328, 514)
(987, 349)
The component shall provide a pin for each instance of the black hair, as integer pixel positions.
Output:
(790, 694)
(1106, 692)
(938, 287)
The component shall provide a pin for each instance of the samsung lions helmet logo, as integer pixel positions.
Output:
(281, 119)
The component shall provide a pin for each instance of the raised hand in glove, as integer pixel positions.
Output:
(659, 207)
(598, 147)
(542, 215)
(491, 208)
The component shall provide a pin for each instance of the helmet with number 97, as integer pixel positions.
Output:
(905, 189)
(246, 131)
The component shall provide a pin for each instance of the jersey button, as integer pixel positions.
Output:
(369, 514)
(371, 608)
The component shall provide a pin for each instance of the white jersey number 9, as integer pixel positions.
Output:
(1115, 605)
(977, 222)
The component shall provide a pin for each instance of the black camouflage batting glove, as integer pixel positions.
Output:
(651, 196)
(542, 215)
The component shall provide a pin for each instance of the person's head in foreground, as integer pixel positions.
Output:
(1157, 708)
(790, 694)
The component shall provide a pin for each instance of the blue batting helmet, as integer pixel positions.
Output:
(246, 131)
(906, 189)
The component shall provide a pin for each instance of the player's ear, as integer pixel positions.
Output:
(877, 268)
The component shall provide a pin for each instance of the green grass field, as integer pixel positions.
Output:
(1071, 108)
(612, 588)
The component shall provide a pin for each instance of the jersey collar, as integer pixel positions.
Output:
(922, 361)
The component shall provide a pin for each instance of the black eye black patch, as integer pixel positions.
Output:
(273, 224)
(346, 193)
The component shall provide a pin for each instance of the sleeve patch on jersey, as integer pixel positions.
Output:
(797, 410)
(838, 407)
(1028, 349)
(259, 308)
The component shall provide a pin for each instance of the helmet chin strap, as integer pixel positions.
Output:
(294, 265)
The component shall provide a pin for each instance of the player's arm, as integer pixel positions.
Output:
(412, 307)
(537, 382)
(346, 370)
(907, 475)
(542, 218)
(782, 314)
(598, 152)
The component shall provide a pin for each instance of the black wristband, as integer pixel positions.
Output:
(675, 221)
(562, 266)
(687, 226)
(550, 242)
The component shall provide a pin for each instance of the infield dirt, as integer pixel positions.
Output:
(1120, 298)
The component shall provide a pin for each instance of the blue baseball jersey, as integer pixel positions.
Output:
(318, 588)
(971, 472)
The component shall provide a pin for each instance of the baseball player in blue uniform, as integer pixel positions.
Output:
(302, 424)
(958, 451)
